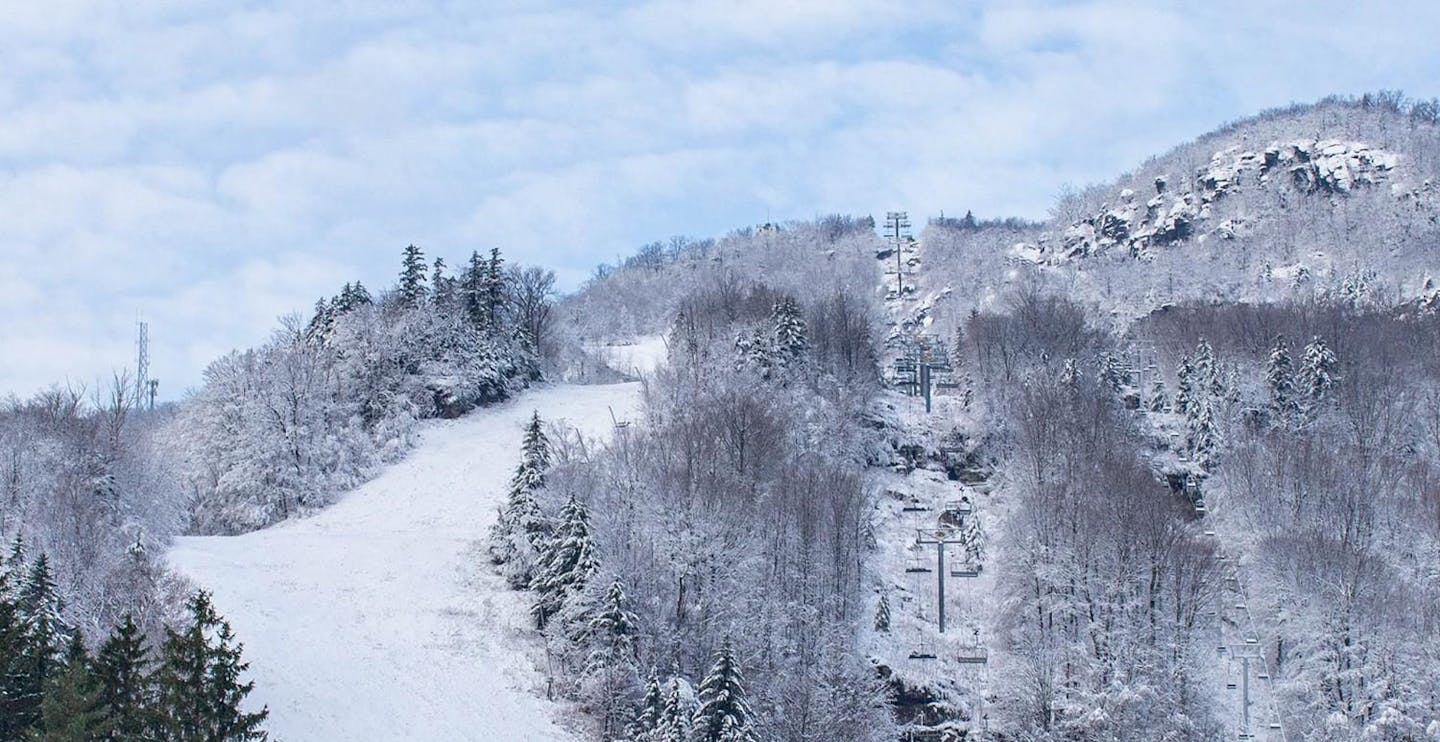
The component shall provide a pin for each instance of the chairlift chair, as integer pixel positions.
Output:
(965, 570)
(917, 566)
(962, 506)
(975, 655)
(923, 651)
(914, 506)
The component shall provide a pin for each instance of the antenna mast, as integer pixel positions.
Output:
(145, 387)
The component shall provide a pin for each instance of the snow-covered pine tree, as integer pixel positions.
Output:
(1202, 434)
(1280, 380)
(412, 277)
(760, 352)
(319, 328)
(121, 670)
(724, 714)
(882, 614)
(677, 713)
(646, 718)
(521, 529)
(40, 607)
(198, 688)
(442, 287)
(972, 534)
(1115, 373)
(1319, 373)
(788, 326)
(495, 290)
(15, 561)
(610, 667)
(535, 448)
(20, 685)
(1184, 387)
(566, 564)
(472, 290)
(1159, 397)
(1207, 378)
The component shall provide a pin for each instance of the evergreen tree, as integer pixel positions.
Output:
(73, 709)
(1202, 435)
(1115, 373)
(1207, 378)
(676, 714)
(121, 670)
(495, 291)
(14, 564)
(20, 686)
(567, 563)
(1279, 378)
(472, 290)
(611, 633)
(882, 614)
(359, 297)
(1319, 373)
(198, 688)
(521, 527)
(1159, 398)
(412, 277)
(724, 714)
(439, 284)
(40, 608)
(320, 324)
(789, 330)
(1184, 387)
(647, 715)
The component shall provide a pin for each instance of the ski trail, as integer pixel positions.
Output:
(378, 617)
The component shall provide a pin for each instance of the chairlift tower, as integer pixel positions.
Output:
(897, 230)
(940, 537)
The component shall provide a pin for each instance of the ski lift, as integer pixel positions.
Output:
(1263, 675)
(1231, 686)
(1275, 725)
(973, 653)
(619, 424)
(923, 651)
(1239, 606)
(973, 656)
(917, 565)
(962, 506)
(965, 570)
(914, 506)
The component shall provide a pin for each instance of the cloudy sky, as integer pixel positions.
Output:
(212, 165)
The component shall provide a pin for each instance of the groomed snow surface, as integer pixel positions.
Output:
(379, 618)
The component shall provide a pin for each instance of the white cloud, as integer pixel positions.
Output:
(214, 165)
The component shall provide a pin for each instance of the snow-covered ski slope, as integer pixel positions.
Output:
(379, 618)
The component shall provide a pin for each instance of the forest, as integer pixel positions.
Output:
(1191, 450)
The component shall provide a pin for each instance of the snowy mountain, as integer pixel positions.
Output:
(1174, 477)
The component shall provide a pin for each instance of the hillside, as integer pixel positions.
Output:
(1333, 200)
(1176, 478)
(370, 619)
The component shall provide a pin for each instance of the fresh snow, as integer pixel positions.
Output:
(379, 617)
(640, 356)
